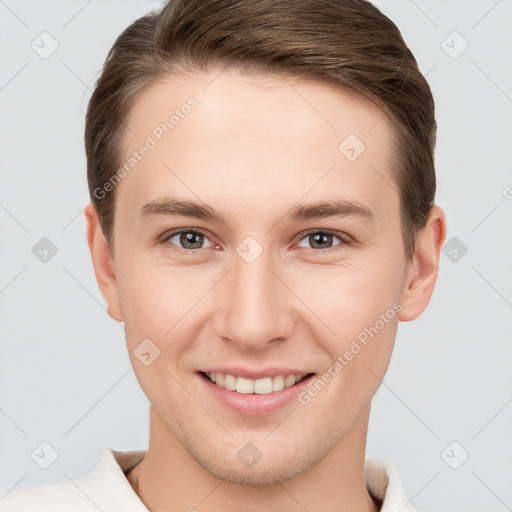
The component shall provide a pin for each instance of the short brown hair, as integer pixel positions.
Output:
(345, 43)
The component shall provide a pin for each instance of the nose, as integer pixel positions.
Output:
(253, 306)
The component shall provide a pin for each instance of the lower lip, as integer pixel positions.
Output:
(254, 404)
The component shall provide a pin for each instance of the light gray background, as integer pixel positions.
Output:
(65, 374)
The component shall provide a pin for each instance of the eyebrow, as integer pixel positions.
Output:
(185, 208)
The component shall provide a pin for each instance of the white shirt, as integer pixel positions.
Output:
(107, 489)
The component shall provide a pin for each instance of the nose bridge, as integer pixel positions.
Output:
(252, 306)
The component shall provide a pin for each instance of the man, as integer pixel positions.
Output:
(262, 215)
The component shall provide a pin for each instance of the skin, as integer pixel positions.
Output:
(253, 148)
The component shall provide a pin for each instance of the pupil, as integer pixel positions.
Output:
(319, 237)
(188, 238)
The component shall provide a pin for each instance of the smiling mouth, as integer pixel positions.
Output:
(264, 386)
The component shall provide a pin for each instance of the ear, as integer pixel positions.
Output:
(422, 272)
(103, 263)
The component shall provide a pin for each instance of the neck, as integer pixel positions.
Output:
(169, 479)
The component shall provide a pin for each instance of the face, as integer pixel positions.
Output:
(258, 282)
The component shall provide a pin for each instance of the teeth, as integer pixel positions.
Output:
(230, 382)
(263, 386)
(289, 381)
(278, 383)
(248, 386)
(244, 385)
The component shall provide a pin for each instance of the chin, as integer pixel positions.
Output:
(265, 475)
(274, 467)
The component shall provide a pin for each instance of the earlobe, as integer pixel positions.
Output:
(423, 268)
(103, 263)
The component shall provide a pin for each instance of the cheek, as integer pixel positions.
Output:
(349, 296)
(157, 306)
(155, 297)
(357, 308)
(162, 303)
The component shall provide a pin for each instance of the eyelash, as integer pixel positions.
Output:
(345, 239)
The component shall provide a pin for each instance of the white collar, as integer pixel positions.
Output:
(382, 478)
(108, 489)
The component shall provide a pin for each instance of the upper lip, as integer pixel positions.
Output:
(256, 373)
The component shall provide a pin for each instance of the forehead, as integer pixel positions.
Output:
(220, 133)
(301, 110)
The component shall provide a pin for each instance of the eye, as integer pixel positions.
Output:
(190, 240)
(323, 238)
(187, 240)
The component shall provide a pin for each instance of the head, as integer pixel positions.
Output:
(255, 110)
